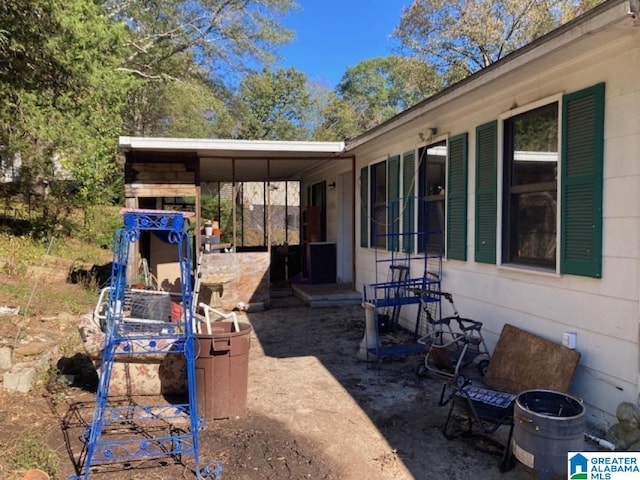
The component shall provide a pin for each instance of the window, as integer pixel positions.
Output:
(378, 228)
(531, 187)
(431, 177)
(535, 175)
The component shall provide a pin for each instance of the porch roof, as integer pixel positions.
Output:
(240, 160)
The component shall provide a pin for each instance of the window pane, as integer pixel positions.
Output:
(380, 183)
(379, 204)
(379, 227)
(432, 178)
(293, 213)
(531, 168)
(252, 215)
(436, 163)
(535, 146)
(534, 226)
(216, 204)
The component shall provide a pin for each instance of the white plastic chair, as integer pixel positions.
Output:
(209, 311)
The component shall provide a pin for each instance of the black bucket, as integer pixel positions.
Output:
(547, 425)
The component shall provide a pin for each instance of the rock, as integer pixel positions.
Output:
(4, 310)
(33, 348)
(20, 378)
(5, 358)
(35, 474)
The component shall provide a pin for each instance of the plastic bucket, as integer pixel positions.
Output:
(222, 371)
(547, 425)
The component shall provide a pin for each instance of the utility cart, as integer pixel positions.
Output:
(408, 258)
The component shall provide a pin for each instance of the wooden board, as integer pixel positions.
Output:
(524, 361)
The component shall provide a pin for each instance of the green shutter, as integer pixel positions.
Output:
(457, 198)
(364, 207)
(581, 191)
(408, 192)
(486, 192)
(393, 202)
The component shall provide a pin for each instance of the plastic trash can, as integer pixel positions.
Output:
(222, 371)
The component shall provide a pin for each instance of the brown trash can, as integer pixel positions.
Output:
(222, 371)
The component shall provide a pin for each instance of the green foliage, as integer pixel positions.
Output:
(18, 252)
(374, 91)
(459, 37)
(273, 105)
(193, 108)
(220, 210)
(64, 99)
(30, 450)
(74, 75)
(340, 120)
(220, 37)
(99, 226)
(183, 52)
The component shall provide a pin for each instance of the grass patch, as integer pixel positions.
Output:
(26, 260)
(30, 450)
(46, 300)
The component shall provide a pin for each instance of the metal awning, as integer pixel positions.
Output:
(240, 160)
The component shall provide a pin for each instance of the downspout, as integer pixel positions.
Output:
(268, 209)
(131, 202)
(234, 193)
(353, 223)
(198, 211)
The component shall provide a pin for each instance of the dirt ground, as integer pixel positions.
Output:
(313, 412)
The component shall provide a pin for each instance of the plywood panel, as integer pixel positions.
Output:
(524, 361)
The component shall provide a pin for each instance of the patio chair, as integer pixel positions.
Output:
(521, 361)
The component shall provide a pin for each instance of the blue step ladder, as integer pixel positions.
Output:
(125, 432)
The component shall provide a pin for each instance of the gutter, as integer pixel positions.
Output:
(212, 145)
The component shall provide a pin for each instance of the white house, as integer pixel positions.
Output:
(534, 163)
(541, 180)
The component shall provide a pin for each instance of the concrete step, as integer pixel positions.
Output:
(327, 295)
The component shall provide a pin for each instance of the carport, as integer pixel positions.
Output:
(279, 199)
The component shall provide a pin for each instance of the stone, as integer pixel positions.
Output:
(20, 378)
(35, 474)
(33, 348)
(5, 358)
(4, 310)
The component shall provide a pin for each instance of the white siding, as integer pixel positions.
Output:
(604, 312)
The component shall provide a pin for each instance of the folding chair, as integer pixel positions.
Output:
(520, 361)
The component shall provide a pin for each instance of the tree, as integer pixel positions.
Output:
(459, 37)
(63, 98)
(191, 108)
(74, 75)
(273, 105)
(193, 43)
(217, 33)
(374, 91)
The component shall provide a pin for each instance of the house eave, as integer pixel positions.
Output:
(232, 148)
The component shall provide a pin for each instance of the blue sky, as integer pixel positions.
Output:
(332, 35)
